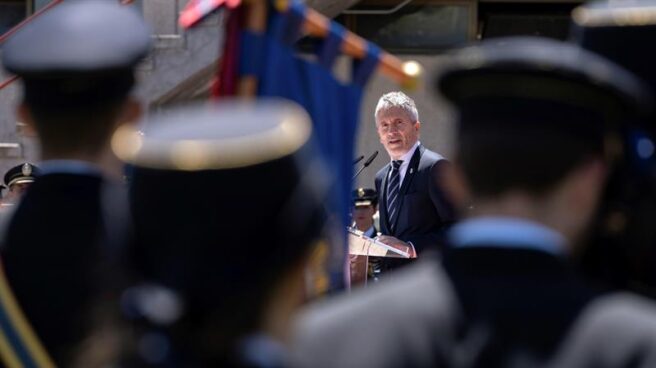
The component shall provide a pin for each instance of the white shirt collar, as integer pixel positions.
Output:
(407, 157)
(77, 167)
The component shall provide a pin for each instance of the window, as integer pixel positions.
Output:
(418, 27)
(525, 19)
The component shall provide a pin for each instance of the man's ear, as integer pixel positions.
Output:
(588, 182)
(131, 112)
(25, 121)
(455, 185)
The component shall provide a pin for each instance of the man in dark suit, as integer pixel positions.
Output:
(536, 118)
(76, 63)
(413, 208)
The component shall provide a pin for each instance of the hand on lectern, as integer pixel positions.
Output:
(398, 244)
(390, 240)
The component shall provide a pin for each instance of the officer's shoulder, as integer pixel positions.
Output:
(421, 287)
(431, 159)
(618, 327)
(622, 311)
(418, 304)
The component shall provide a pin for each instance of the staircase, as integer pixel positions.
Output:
(180, 68)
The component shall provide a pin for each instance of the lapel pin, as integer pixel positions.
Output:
(412, 170)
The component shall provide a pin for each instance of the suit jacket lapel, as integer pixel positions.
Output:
(407, 179)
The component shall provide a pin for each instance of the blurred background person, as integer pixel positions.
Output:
(63, 238)
(506, 293)
(18, 179)
(238, 282)
(365, 205)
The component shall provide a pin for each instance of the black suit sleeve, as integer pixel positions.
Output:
(442, 204)
(443, 208)
(377, 182)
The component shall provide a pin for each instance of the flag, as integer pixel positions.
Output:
(334, 106)
(197, 10)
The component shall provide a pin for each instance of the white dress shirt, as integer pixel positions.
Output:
(406, 162)
(371, 232)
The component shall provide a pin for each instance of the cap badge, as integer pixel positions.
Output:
(360, 192)
(26, 169)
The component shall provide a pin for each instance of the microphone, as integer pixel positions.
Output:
(358, 159)
(370, 159)
(366, 163)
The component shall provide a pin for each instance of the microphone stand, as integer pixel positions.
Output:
(366, 164)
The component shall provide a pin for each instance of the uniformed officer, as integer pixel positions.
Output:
(234, 249)
(539, 130)
(17, 180)
(363, 211)
(365, 205)
(620, 31)
(76, 63)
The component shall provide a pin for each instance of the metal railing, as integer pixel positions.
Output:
(26, 21)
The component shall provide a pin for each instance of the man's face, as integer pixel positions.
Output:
(18, 190)
(363, 216)
(397, 131)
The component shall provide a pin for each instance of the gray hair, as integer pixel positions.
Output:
(400, 100)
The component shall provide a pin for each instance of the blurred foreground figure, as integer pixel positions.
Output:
(17, 180)
(231, 253)
(76, 63)
(540, 129)
(620, 31)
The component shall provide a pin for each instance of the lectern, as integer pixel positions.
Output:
(362, 247)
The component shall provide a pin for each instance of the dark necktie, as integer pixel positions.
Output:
(393, 193)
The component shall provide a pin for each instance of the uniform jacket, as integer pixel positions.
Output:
(54, 257)
(529, 310)
(518, 303)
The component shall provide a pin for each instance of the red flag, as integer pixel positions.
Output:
(197, 10)
(227, 77)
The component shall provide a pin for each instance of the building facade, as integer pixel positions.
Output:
(183, 64)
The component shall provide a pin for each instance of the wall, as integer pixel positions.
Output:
(179, 56)
(176, 57)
